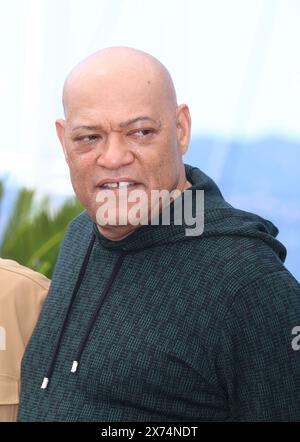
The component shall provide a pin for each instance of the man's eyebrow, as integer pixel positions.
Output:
(135, 120)
(87, 127)
(122, 125)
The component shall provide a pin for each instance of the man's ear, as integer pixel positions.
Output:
(60, 125)
(183, 127)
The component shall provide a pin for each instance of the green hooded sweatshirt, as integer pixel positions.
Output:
(163, 326)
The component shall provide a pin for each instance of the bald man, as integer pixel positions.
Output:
(147, 320)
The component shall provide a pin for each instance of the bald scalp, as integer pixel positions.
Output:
(121, 64)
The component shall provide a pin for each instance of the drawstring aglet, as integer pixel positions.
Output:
(45, 383)
(74, 367)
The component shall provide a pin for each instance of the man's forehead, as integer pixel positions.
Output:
(125, 86)
(108, 91)
(107, 102)
(115, 111)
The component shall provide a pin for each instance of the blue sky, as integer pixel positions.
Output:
(236, 63)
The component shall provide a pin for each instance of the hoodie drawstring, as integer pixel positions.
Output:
(92, 320)
(76, 288)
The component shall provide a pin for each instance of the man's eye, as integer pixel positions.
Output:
(87, 139)
(142, 132)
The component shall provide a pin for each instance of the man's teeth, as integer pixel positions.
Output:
(121, 184)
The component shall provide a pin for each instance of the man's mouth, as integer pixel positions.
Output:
(118, 185)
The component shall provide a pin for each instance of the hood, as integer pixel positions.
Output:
(219, 219)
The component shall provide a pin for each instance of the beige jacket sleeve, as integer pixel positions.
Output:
(22, 293)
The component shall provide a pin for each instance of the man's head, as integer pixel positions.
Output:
(122, 122)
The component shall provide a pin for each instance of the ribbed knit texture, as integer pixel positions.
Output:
(193, 328)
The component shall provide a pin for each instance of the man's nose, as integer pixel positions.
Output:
(116, 153)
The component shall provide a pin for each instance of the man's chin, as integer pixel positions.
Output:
(127, 218)
(116, 232)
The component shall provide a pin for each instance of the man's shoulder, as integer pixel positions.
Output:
(16, 273)
(74, 244)
(81, 220)
(78, 231)
(22, 293)
(227, 264)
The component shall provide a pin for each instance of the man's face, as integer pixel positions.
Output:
(120, 133)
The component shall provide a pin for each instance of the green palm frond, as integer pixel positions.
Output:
(33, 233)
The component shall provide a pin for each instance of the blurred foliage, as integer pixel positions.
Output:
(33, 233)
